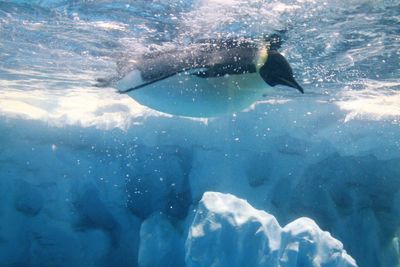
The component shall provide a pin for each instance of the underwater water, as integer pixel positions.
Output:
(89, 177)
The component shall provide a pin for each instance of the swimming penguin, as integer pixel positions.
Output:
(208, 78)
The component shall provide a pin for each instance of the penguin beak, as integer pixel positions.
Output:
(291, 83)
(277, 71)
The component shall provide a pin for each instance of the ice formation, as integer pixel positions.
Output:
(227, 231)
(107, 196)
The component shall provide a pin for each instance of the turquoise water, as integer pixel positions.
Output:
(85, 171)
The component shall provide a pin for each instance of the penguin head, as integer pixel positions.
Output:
(277, 70)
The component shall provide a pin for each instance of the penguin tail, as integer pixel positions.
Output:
(103, 82)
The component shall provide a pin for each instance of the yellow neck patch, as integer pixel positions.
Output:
(262, 57)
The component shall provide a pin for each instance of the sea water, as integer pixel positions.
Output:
(89, 177)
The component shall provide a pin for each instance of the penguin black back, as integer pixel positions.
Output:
(213, 58)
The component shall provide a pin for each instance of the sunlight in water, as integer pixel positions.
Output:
(272, 177)
(377, 102)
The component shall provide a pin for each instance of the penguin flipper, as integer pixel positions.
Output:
(146, 84)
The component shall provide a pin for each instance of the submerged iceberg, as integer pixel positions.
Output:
(227, 231)
(111, 197)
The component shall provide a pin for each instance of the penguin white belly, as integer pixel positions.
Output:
(189, 95)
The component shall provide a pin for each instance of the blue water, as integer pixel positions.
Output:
(346, 41)
(82, 168)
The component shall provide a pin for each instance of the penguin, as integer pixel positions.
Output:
(208, 78)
